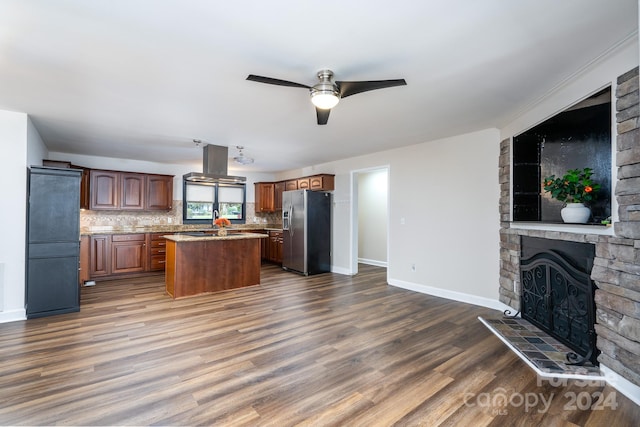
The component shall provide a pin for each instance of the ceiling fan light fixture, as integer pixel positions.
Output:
(324, 99)
(325, 94)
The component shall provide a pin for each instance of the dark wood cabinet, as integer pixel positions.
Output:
(322, 182)
(100, 255)
(303, 183)
(275, 243)
(278, 189)
(84, 272)
(132, 191)
(159, 192)
(291, 184)
(104, 189)
(157, 251)
(123, 254)
(128, 253)
(129, 191)
(264, 196)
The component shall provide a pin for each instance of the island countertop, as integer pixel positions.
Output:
(185, 237)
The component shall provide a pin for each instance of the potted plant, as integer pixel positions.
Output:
(574, 188)
(222, 223)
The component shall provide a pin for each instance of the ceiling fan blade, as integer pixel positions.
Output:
(323, 116)
(352, 88)
(272, 81)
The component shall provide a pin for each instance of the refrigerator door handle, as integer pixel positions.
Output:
(291, 225)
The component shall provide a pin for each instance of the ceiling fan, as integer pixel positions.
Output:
(326, 94)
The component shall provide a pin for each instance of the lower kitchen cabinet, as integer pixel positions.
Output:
(157, 251)
(123, 254)
(84, 272)
(100, 255)
(275, 243)
(128, 253)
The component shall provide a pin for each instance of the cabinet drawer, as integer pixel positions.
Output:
(158, 251)
(158, 237)
(157, 262)
(128, 237)
(158, 243)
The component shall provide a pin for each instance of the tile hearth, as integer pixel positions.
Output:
(543, 353)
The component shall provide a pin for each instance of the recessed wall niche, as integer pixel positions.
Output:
(577, 138)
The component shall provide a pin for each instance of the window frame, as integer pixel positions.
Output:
(216, 202)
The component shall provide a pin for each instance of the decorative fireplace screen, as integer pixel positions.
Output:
(559, 299)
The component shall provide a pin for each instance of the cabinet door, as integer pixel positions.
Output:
(322, 182)
(303, 183)
(291, 185)
(128, 253)
(132, 194)
(279, 245)
(100, 253)
(275, 246)
(84, 272)
(105, 189)
(278, 188)
(85, 187)
(159, 192)
(264, 196)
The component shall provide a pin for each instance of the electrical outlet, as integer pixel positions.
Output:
(402, 221)
(169, 220)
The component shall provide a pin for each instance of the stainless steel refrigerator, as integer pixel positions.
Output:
(306, 225)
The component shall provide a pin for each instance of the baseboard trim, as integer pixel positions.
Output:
(372, 262)
(452, 295)
(13, 315)
(621, 384)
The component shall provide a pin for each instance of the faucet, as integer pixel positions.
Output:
(216, 215)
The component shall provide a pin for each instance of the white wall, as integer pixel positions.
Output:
(372, 216)
(447, 192)
(36, 150)
(13, 175)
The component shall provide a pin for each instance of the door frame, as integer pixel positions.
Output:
(353, 217)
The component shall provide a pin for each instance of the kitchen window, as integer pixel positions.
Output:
(202, 200)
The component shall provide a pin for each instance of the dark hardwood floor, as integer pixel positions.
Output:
(319, 350)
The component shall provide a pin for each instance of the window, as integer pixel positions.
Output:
(231, 201)
(200, 201)
(576, 138)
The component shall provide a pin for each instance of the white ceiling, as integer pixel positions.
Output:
(140, 79)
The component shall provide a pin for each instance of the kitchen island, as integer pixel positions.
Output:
(200, 264)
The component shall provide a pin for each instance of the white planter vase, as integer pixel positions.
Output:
(576, 213)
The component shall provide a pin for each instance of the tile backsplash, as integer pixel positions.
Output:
(94, 219)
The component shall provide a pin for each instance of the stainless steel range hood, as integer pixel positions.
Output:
(215, 159)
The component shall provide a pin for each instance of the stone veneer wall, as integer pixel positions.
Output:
(89, 219)
(616, 269)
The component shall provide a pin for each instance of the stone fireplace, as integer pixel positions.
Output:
(616, 266)
(557, 293)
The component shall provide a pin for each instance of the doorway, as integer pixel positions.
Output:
(370, 213)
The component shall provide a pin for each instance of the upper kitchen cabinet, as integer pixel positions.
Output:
(322, 182)
(303, 183)
(159, 192)
(132, 191)
(113, 190)
(278, 188)
(292, 184)
(264, 197)
(104, 190)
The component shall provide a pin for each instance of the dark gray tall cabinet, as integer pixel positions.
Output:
(53, 241)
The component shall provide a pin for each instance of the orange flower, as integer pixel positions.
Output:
(588, 189)
(222, 222)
